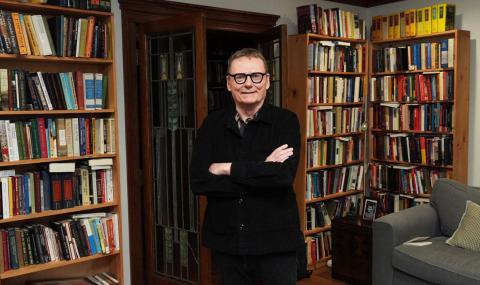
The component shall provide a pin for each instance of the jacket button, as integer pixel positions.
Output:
(240, 201)
(242, 226)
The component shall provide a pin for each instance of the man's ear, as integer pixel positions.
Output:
(229, 88)
(268, 82)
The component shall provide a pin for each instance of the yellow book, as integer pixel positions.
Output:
(434, 17)
(419, 21)
(391, 24)
(442, 17)
(10, 196)
(384, 28)
(427, 20)
(412, 22)
(396, 26)
(31, 35)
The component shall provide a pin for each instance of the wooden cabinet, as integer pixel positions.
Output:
(175, 68)
(352, 250)
(418, 114)
(25, 113)
(326, 89)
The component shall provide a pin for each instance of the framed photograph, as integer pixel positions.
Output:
(369, 209)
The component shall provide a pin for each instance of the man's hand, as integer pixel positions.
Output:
(280, 154)
(220, 168)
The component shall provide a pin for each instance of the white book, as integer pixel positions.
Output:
(76, 137)
(89, 215)
(56, 167)
(42, 35)
(100, 161)
(5, 198)
(7, 173)
(12, 141)
(45, 91)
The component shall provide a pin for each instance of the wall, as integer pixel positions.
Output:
(467, 11)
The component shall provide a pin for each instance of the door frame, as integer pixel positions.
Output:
(135, 12)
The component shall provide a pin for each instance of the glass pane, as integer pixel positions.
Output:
(271, 52)
(173, 128)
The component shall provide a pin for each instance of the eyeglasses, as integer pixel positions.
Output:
(241, 78)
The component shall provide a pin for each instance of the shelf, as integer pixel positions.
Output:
(385, 190)
(413, 132)
(411, 163)
(334, 166)
(319, 37)
(52, 265)
(335, 135)
(345, 73)
(312, 105)
(318, 230)
(55, 159)
(55, 112)
(46, 9)
(54, 59)
(413, 102)
(333, 196)
(447, 34)
(437, 70)
(53, 213)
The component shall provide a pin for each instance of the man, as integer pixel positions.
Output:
(244, 160)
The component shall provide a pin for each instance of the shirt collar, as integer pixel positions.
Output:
(265, 114)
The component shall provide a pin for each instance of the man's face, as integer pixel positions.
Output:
(248, 94)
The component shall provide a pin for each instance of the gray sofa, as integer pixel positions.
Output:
(438, 263)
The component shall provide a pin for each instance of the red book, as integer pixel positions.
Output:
(37, 191)
(67, 180)
(56, 180)
(6, 251)
(87, 136)
(42, 137)
(80, 90)
(14, 195)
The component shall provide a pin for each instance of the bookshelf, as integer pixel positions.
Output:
(328, 98)
(102, 141)
(418, 116)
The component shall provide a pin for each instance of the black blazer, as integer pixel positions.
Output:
(254, 210)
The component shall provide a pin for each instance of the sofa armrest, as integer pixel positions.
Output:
(394, 229)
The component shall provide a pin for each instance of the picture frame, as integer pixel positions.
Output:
(369, 209)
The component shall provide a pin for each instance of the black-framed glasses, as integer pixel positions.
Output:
(241, 78)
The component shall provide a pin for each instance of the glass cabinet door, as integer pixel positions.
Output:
(173, 114)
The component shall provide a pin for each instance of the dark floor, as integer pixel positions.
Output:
(321, 276)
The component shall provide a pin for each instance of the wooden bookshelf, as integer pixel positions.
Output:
(298, 99)
(90, 264)
(459, 69)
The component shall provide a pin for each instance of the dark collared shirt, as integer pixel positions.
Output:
(254, 210)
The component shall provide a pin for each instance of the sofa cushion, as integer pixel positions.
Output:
(438, 263)
(467, 234)
(449, 198)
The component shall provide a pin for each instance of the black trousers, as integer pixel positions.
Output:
(268, 269)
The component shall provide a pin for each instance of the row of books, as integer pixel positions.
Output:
(334, 89)
(391, 202)
(24, 90)
(321, 214)
(416, 56)
(329, 120)
(334, 151)
(318, 246)
(429, 117)
(333, 22)
(414, 22)
(425, 149)
(56, 137)
(405, 179)
(26, 34)
(413, 88)
(330, 181)
(82, 235)
(100, 5)
(336, 56)
(102, 278)
(91, 182)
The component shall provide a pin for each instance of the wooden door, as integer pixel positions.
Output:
(173, 101)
